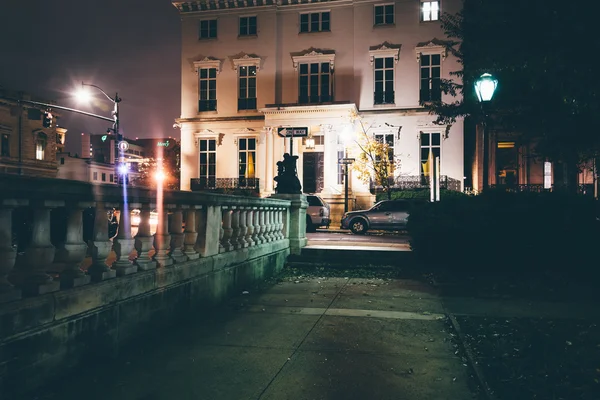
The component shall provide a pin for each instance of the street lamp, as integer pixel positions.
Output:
(85, 95)
(485, 87)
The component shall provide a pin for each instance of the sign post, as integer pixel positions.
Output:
(292, 133)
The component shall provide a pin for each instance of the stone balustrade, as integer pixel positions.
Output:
(213, 224)
(63, 279)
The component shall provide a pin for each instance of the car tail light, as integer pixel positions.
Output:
(321, 212)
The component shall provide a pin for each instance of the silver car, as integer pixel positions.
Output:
(317, 214)
(385, 215)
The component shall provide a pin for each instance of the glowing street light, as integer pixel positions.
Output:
(485, 87)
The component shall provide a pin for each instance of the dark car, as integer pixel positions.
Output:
(385, 215)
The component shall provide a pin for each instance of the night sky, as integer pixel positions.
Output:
(127, 46)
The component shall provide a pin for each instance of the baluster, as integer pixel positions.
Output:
(144, 240)
(124, 243)
(269, 224)
(190, 233)
(221, 234)
(227, 230)
(243, 229)
(263, 225)
(162, 239)
(73, 251)
(176, 231)
(8, 254)
(38, 257)
(279, 214)
(250, 226)
(257, 228)
(235, 226)
(100, 246)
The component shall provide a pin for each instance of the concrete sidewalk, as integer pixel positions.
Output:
(305, 338)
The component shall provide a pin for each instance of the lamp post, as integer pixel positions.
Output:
(485, 87)
(119, 148)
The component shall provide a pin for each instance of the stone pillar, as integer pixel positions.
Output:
(243, 229)
(296, 220)
(124, 244)
(39, 255)
(190, 233)
(8, 254)
(250, 226)
(210, 231)
(74, 250)
(144, 240)
(177, 237)
(227, 230)
(100, 246)
(162, 239)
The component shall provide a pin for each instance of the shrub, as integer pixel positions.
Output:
(524, 232)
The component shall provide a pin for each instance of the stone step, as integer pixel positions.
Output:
(351, 257)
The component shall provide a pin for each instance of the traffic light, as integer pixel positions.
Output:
(47, 120)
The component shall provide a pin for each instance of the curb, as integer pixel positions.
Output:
(489, 393)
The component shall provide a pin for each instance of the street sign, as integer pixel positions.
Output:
(295, 132)
(346, 160)
(123, 145)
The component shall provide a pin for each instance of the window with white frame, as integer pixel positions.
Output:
(387, 138)
(246, 159)
(430, 10)
(430, 65)
(95, 176)
(208, 29)
(384, 80)
(430, 145)
(104, 177)
(40, 146)
(208, 162)
(315, 83)
(207, 89)
(247, 87)
(383, 14)
(315, 22)
(247, 26)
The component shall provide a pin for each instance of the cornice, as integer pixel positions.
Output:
(298, 109)
(201, 6)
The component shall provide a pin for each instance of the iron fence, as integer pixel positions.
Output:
(416, 182)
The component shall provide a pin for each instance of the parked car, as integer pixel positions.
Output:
(385, 215)
(317, 214)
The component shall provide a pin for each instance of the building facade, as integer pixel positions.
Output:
(29, 136)
(253, 70)
(85, 169)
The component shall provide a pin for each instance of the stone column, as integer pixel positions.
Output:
(162, 239)
(243, 229)
(190, 234)
(227, 230)
(269, 224)
(144, 240)
(74, 250)
(177, 237)
(250, 226)
(39, 255)
(8, 254)
(100, 246)
(279, 214)
(124, 244)
(296, 220)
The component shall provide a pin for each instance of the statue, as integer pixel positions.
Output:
(287, 180)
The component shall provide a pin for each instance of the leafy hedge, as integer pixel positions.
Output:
(419, 194)
(524, 231)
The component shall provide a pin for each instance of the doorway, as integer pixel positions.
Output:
(312, 165)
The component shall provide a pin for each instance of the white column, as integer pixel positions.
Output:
(270, 162)
(330, 162)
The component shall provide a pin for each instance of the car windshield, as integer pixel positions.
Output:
(314, 201)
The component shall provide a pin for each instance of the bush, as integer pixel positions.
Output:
(525, 232)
